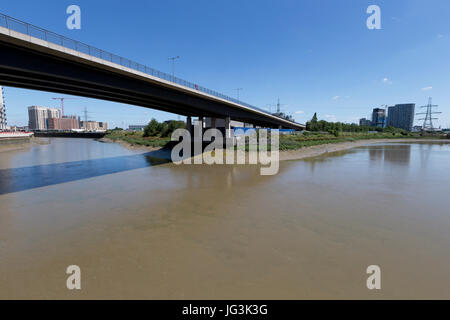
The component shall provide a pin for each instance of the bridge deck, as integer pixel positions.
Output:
(33, 38)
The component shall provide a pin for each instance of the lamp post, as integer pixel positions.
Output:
(237, 90)
(173, 64)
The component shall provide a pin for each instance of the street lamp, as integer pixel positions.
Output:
(238, 89)
(173, 64)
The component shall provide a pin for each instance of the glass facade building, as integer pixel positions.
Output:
(379, 118)
(401, 116)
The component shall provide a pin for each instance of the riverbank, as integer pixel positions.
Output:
(69, 134)
(129, 145)
(316, 148)
(20, 144)
(135, 140)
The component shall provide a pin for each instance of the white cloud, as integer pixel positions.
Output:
(330, 117)
(427, 88)
(387, 80)
(299, 112)
(335, 97)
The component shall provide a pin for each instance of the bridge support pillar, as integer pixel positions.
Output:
(228, 127)
(189, 124)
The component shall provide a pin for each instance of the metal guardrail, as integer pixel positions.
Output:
(37, 32)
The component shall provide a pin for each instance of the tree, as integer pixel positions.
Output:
(312, 125)
(164, 129)
(170, 126)
(152, 129)
(174, 125)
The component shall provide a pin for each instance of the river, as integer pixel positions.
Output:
(141, 228)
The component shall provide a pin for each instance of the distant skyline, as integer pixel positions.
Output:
(316, 56)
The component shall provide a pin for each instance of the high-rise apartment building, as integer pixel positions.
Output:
(2, 111)
(379, 117)
(38, 117)
(54, 113)
(401, 116)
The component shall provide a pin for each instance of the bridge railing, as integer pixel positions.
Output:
(37, 32)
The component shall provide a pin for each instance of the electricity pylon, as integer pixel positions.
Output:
(428, 120)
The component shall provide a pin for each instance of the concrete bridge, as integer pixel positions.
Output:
(35, 58)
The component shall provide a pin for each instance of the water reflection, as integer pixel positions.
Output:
(32, 173)
(396, 154)
(215, 176)
(25, 178)
(376, 154)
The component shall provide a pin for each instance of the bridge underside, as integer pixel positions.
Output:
(26, 67)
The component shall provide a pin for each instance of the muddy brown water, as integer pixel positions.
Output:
(140, 228)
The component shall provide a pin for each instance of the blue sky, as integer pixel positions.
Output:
(315, 55)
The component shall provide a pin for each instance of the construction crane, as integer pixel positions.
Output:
(62, 103)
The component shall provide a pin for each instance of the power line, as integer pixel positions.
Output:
(428, 120)
(279, 105)
(85, 112)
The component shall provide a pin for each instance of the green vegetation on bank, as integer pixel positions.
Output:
(162, 129)
(156, 134)
(337, 127)
(307, 139)
(287, 141)
(136, 138)
(324, 132)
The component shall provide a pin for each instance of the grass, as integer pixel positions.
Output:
(287, 141)
(298, 141)
(136, 138)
